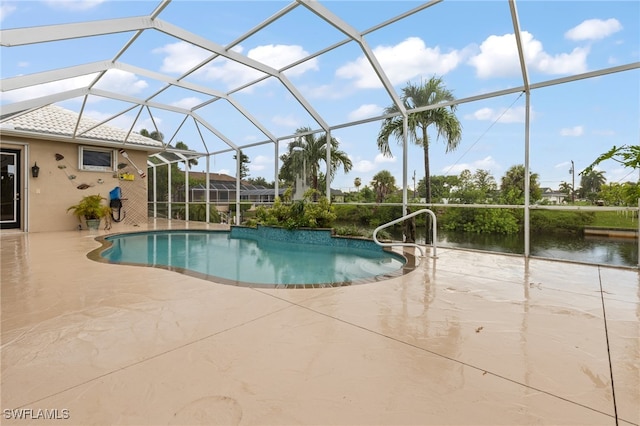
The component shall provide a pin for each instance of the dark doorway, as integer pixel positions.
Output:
(10, 188)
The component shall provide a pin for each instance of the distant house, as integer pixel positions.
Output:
(554, 197)
(222, 190)
(337, 196)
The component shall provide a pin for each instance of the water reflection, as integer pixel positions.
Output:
(587, 249)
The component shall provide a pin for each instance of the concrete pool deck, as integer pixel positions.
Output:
(468, 338)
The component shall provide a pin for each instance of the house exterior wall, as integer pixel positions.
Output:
(50, 194)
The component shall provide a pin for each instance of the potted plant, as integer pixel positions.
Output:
(91, 209)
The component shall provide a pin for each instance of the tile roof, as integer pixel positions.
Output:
(55, 120)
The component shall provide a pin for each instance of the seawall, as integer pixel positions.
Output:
(611, 232)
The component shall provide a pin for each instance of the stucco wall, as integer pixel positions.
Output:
(52, 192)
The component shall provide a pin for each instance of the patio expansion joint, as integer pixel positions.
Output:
(158, 355)
(606, 334)
(448, 358)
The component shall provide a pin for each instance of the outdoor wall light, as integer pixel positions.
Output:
(35, 170)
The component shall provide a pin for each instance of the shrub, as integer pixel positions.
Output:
(560, 220)
(297, 214)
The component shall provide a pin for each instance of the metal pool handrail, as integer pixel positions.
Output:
(410, 215)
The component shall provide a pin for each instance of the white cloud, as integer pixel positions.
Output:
(572, 131)
(498, 57)
(402, 62)
(262, 159)
(286, 121)
(187, 103)
(365, 166)
(74, 5)
(256, 167)
(563, 165)
(181, 57)
(33, 92)
(365, 111)
(123, 121)
(147, 123)
(97, 115)
(594, 29)
(513, 115)
(381, 159)
(6, 10)
(487, 163)
(119, 81)
(234, 74)
(280, 55)
(324, 91)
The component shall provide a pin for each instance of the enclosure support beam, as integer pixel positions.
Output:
(207, 186)
(328, 161)
(238, 185)
(405, 160)
(276, 168)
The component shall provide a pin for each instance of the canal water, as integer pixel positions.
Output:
(579, 248)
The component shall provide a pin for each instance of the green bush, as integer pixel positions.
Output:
(568, 221)
(361, 215)
(350, 231)
(297, 214)
(497, 221)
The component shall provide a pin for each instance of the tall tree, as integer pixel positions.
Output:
(447, 125)
(476, 188)
(566, 188)
(512, 186)
(441, 187)
(307, 152)
(244, 160)
(383, 184)
(185, 147)
(357, 182)
(155, 135)
(590, 183)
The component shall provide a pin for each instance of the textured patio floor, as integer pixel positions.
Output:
(465, 339)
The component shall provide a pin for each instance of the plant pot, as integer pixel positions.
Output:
(93, 224)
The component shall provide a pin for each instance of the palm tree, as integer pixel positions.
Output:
(313, 152)
(383, 184)
(591, 182)
(566, 188)
(357, 182)
(431, 92)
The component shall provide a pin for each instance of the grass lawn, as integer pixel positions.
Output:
(615, 220)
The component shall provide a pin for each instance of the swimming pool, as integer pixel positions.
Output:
(254, 261)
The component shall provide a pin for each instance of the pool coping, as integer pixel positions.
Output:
(410, 263)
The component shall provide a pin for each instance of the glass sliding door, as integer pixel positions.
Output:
(10, 188)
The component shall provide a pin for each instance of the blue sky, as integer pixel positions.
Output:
(469, 43)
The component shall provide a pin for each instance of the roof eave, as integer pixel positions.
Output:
(89, 141)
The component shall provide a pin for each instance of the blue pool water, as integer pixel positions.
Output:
(249, 261)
